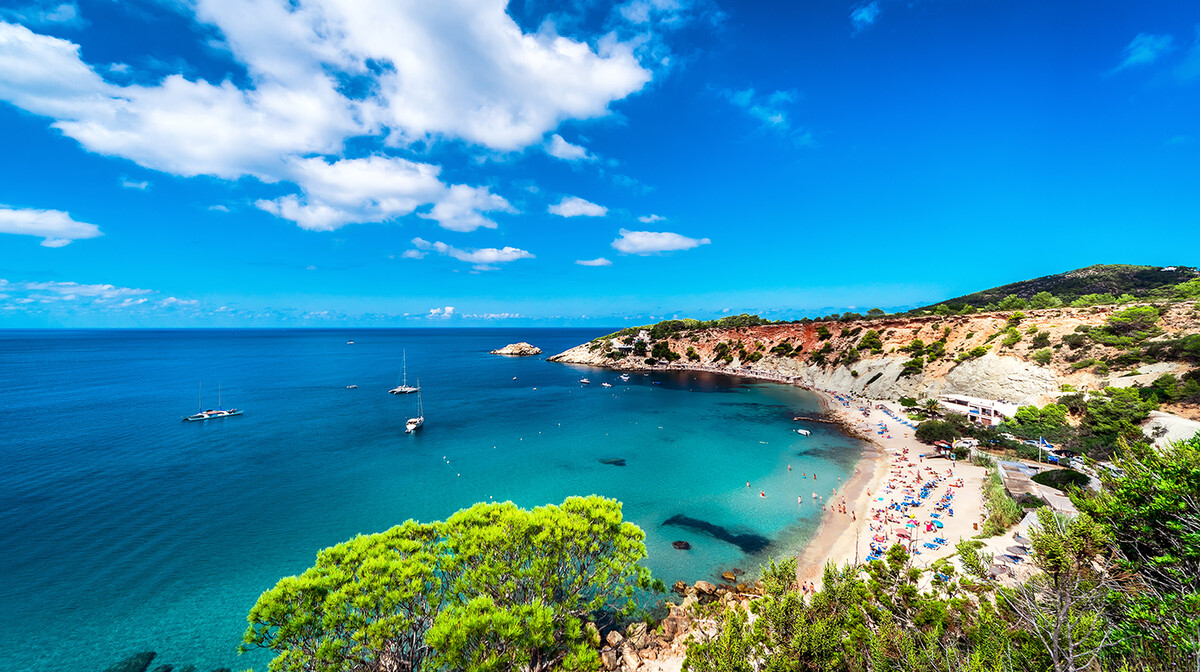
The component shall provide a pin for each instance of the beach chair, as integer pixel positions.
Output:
(940, 540)
(931, 546)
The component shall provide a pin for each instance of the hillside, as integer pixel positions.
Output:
(1023, 356)
(1090, 285)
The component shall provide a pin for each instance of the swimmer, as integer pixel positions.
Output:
(762, 493)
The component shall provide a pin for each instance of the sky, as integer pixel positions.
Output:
(229, 163)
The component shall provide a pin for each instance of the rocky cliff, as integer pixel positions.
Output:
(1022, 357)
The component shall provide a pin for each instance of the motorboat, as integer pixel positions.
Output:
(605, 385)
(352, 387)
(584, 381)
(803, 432)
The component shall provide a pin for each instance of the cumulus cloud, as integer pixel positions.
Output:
(55, 227)
(413, 254)
(480, 257)
(599, 261)
(864, 16)
(441, 313)
(561, 149)
(57, 292)
(654, 242)
(650, 219)
(484, 81)
(1145, 49)
(492, 316)
(573, 206)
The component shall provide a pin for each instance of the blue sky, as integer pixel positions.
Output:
(385, 162)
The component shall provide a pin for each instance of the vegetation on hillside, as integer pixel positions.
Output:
(1114, 589)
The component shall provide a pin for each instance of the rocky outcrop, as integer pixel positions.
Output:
(974, 354)
(521, 349)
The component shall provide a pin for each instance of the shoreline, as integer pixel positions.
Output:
(833, 541)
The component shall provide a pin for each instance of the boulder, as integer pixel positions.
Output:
(614, 638)
(705, 588)
(631, 659)
(729, 576)
(636, 632)
(670, 627)
(680, 587)
(681, 545)
(688, 601)
(138, 662)
(521, 349)
(609, 659)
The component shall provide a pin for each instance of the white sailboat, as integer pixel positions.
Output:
(416, 423)
(404, 387)
(211, 413)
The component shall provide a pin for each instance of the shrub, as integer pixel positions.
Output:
(1041, 340)
(823, 333)
(662, 350)
(1043, 356)
(1012, 302)
(913, 366)
(870, 341)
(1011, 337)
(937, 430)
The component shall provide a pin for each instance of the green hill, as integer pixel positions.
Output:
(1102, 283)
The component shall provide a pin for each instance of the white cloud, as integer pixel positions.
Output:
(461, 208)
(573, 206)
(482, 256)
(561, 149)
(377, 189)
(53, 291)
(45, 14)
(464, 71)
(599, 261)
(219, 208)
(492, 316)
(1145, 49)
(768, 110)
(54, 226)
(413, 254)
(130, 184)
(171, 302)
(653, 242)
(650, 219)
(441, 313)
(865, 16)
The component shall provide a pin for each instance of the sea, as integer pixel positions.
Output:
(126, 530)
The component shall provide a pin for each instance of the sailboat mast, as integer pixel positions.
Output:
(200, 399)
(405, 383)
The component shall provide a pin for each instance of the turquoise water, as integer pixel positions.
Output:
(128, 530)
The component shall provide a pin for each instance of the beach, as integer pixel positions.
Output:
(894, 457)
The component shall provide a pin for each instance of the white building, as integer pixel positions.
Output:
(983, 411)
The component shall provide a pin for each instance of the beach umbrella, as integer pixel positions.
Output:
(937, 524)
(911, 523)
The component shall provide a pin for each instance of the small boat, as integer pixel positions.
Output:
(404, 387)
(212, 413)
(803, 432)
(605, 385)
(584, 381)
(625, 377)
(352, 387)
(349, 342)
(413, 424)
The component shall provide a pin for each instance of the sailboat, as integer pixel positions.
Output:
(416, 423)
(211, 413)
(404, 387)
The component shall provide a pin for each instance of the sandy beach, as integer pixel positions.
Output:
(889, 473)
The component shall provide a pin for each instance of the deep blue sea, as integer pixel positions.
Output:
(125, 529)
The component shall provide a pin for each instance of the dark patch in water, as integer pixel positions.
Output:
(613, 461)
(748, 542)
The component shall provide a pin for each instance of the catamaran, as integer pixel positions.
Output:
(414, 424)
(212, 413)
(404, 387)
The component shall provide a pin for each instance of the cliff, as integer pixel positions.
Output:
(1024, 357)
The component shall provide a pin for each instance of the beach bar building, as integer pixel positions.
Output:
(988, 412)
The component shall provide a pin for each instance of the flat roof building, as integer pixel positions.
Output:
(989, 412)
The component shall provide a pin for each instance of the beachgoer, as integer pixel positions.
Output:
(762, 493)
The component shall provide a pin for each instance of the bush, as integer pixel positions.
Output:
(1041, 340)
(1011, 337)
(1003, 511)
(908, 402)
(823, 333)
(913, 366)
(870, 341)
(1043, 356)
(937, 430)
(662, 350)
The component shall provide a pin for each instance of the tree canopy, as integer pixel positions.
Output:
(495, 587)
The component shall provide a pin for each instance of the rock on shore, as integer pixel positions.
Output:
(521, 349)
